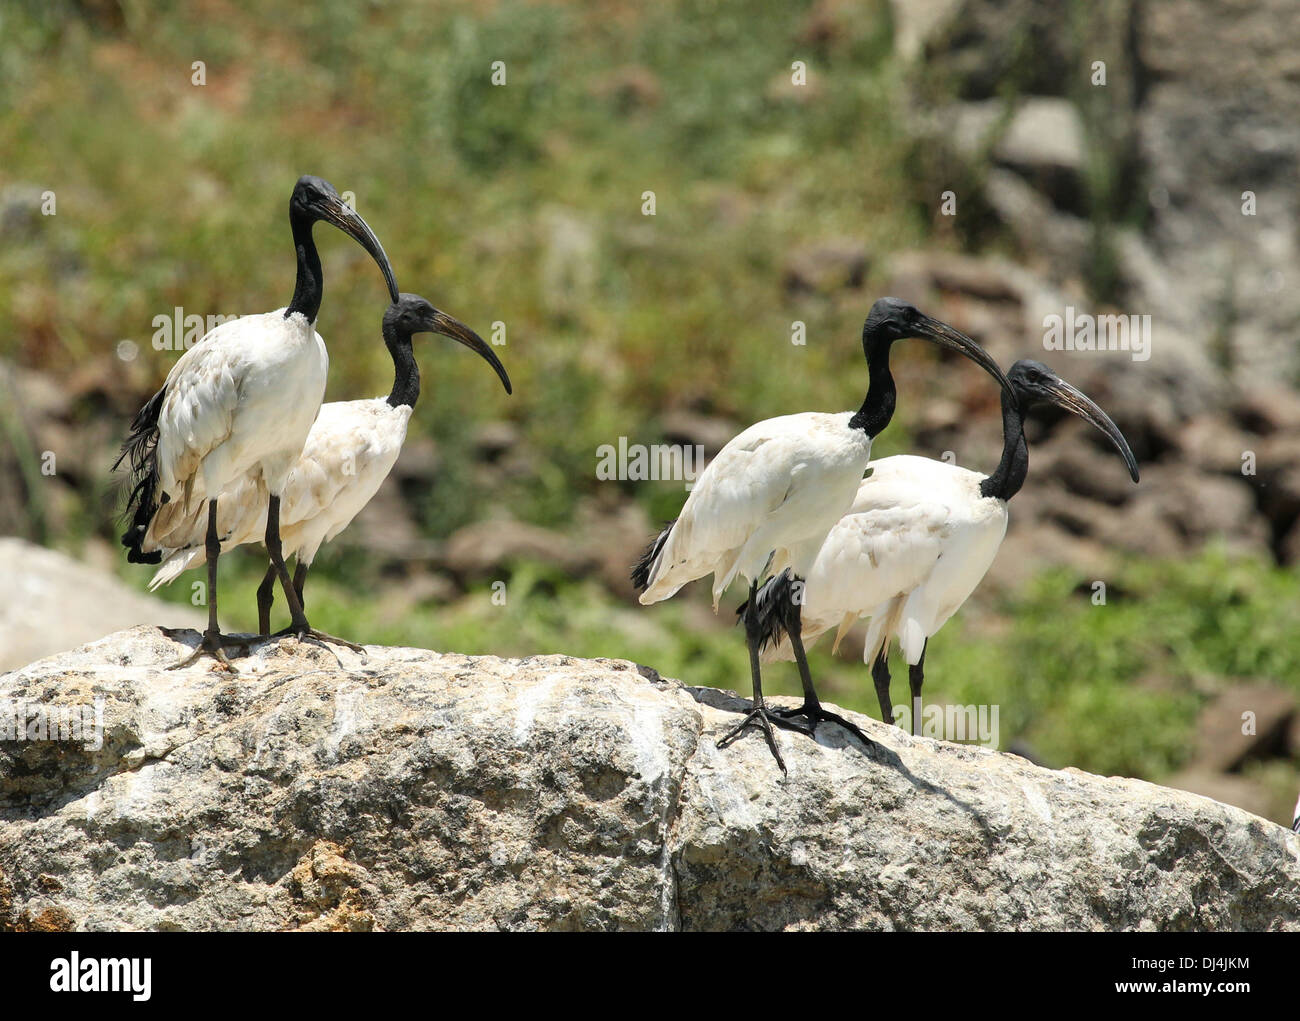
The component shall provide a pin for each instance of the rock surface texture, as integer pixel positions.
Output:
(410, 789)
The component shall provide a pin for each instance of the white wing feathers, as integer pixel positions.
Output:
(244, 396)
(197, 414)
(349, 452)
(915, 544)
(777, 484)
(870, 557)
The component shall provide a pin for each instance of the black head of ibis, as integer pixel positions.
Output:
(1034, 383)
(315, 200)
(890, 320)
(411, 314)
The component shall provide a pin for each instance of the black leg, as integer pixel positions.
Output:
(811, 709)
(794, 628)
(759, 716)
(298, 625)
(300, 581)
(880, 675)
(212, 548)
(915, 678)
(213, 642)
(265, 597)
(276, 552)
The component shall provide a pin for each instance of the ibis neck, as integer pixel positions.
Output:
(307, 289)
(406, 374)
(878, 407)
(1006, 481)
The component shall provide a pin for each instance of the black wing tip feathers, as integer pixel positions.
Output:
(641, 569)
(134, 556)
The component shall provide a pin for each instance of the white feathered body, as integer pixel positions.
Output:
(776, 488)
(350, 450)
(915, 544)
(241, 399)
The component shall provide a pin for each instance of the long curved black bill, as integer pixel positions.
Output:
(350, 222)
(954, 340)
(1063, 395)
(449, 326)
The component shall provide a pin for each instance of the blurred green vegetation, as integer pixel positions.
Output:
(171, 194)
(522, 204)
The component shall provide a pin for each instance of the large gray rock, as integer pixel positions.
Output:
(49, 601)
(1221, 117)
(412, 789)
(1044, 135)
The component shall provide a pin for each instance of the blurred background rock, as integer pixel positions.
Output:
(775, 203)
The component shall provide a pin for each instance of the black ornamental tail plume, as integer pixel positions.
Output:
(641, 570)
(140, 451)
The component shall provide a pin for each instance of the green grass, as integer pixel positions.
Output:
(171, 194)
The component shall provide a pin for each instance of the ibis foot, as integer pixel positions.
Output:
(213, 644)
(815, 714)
(306, 631)
(762, 717)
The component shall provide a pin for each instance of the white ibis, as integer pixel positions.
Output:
(917, 541)
(241, 399)
(349, 452)
(772, 493)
